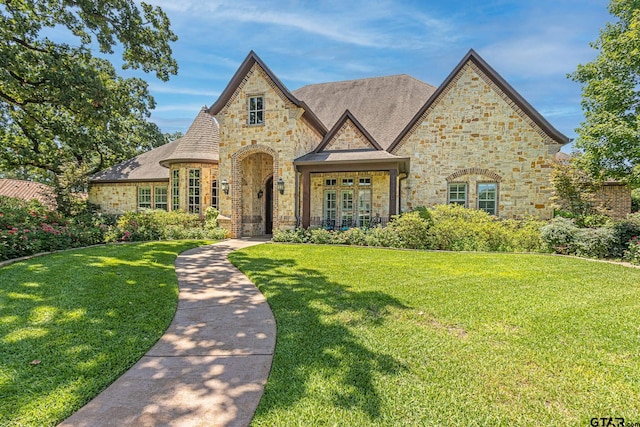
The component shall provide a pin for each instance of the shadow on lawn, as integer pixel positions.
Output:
(314, 338)
(70, 323)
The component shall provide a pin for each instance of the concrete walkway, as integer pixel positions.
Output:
(211, 365)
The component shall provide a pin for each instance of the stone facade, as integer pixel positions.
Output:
(349, 137)
(121, 197)
(473, 133)
(275, 154)
(277, 141)
(208, 174)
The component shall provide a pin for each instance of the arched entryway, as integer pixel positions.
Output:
(254, 201)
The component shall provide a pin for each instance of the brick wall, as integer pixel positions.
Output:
(616, 199)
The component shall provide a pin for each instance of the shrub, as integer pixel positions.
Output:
(560, 235)
(624, 231)
(163, 225)
(632, 254)
(412, 229)
(593, 242)
(448, 227)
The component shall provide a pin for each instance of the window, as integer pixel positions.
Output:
(364, 207)
(193, 201)
(346, 204)
(144, 198)
(346, 208)
(175, 190)
(488, 197)
(330, 208)
(458, 193)
(161, 198)
(256, 110)
(214, 194)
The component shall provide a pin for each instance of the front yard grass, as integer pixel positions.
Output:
(73, 322)
(385, 337)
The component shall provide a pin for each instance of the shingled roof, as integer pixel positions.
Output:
(199, 144)
(28, 190)
(145, 167)
(384, 105)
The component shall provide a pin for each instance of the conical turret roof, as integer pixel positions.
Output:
(200, 144)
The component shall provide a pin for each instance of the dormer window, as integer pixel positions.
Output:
(256, 110)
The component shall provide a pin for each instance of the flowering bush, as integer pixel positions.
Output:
(27, 228)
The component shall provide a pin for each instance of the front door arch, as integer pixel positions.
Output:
(250, 167)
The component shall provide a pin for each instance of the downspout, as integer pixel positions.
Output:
(297, 199)
(401, 178)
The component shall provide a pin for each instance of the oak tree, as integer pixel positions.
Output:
(62, 104)
(610, 135)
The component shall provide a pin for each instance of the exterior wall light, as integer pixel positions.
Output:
(225, 186)
(280, 185)
(260, 193)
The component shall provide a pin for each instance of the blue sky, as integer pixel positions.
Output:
(532, 44)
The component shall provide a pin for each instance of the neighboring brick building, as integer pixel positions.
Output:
(347, 153)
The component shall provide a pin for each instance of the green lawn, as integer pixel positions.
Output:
(72, 322)
(384, 337)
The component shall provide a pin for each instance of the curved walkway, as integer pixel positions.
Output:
(210, 366)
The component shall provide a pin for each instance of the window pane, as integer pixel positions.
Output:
(144, 197)
(346, 208)
(161, 198)
(364, 207)
(193, 201)
(214, 194)
(487, 197)
(458, 193)
(175, 190)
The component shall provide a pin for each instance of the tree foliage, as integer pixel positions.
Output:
(62, 107)
(574, 189)
(610, 134)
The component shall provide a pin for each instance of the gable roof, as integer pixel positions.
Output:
(382, 104)
(251, 59)
(501, 83)
(200, 144)
(28, 190)
(347, 116)
(144, 167)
